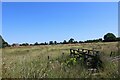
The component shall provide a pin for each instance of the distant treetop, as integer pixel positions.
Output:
(109, 37)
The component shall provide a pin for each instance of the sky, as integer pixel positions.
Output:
(59, 0)
(57, 21)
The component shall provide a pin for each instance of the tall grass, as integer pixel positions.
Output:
(33, 62)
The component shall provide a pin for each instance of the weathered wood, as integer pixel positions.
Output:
(111, 54)
(48, 57)
(89, 56)
(78, 52)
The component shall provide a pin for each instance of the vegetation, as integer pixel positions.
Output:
(50, 60)
(3, 43)
(71, 40)
(33, 61)
(109, 37)
(24, 44)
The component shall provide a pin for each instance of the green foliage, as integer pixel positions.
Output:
(118, 39)
(3, 43)
(95, 40)
(109, 37)
(24, 44)
(32, 62)
(71, 61)
(64, 42)
(75, 42)
(44, 43)
(80, 41)
(36, 43)
(55, 42)
(71, 40)
(51, 42)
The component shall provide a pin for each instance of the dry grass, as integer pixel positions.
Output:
(32, 61)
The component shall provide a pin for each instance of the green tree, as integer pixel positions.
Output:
(55, 42)
(3, 43)
(80, 41)
(36, 43)
(71, 40)
(51, 42)
(109, 37)
(46, 43)
(118, 39)
(100, 39)
(75, 41)
(23, 44)
(64, 42)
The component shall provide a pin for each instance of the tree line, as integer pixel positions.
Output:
(109, 37)
(3, 43)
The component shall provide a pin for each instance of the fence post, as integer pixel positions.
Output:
(78, 50)
(111, 54)
(88, 51)
(48, 57)
(62, 55)
(82, 50)
(70, 52)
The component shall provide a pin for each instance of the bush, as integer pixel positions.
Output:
(109, 37)
(51, 42)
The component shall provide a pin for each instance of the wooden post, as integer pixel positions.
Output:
(88, 51)
(94, 52)
(82, 50)
(78, 50)
(48, 57)
(62, 55)
(74, 53)
(70, 52)
(111, 54)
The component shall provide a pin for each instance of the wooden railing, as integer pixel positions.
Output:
(91, 57)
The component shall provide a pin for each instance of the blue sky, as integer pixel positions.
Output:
(57, 21)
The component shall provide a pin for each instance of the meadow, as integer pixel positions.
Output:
(33, 61)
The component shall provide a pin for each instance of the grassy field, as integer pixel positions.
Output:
(32, 61)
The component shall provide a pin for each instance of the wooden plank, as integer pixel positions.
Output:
(73, 51)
